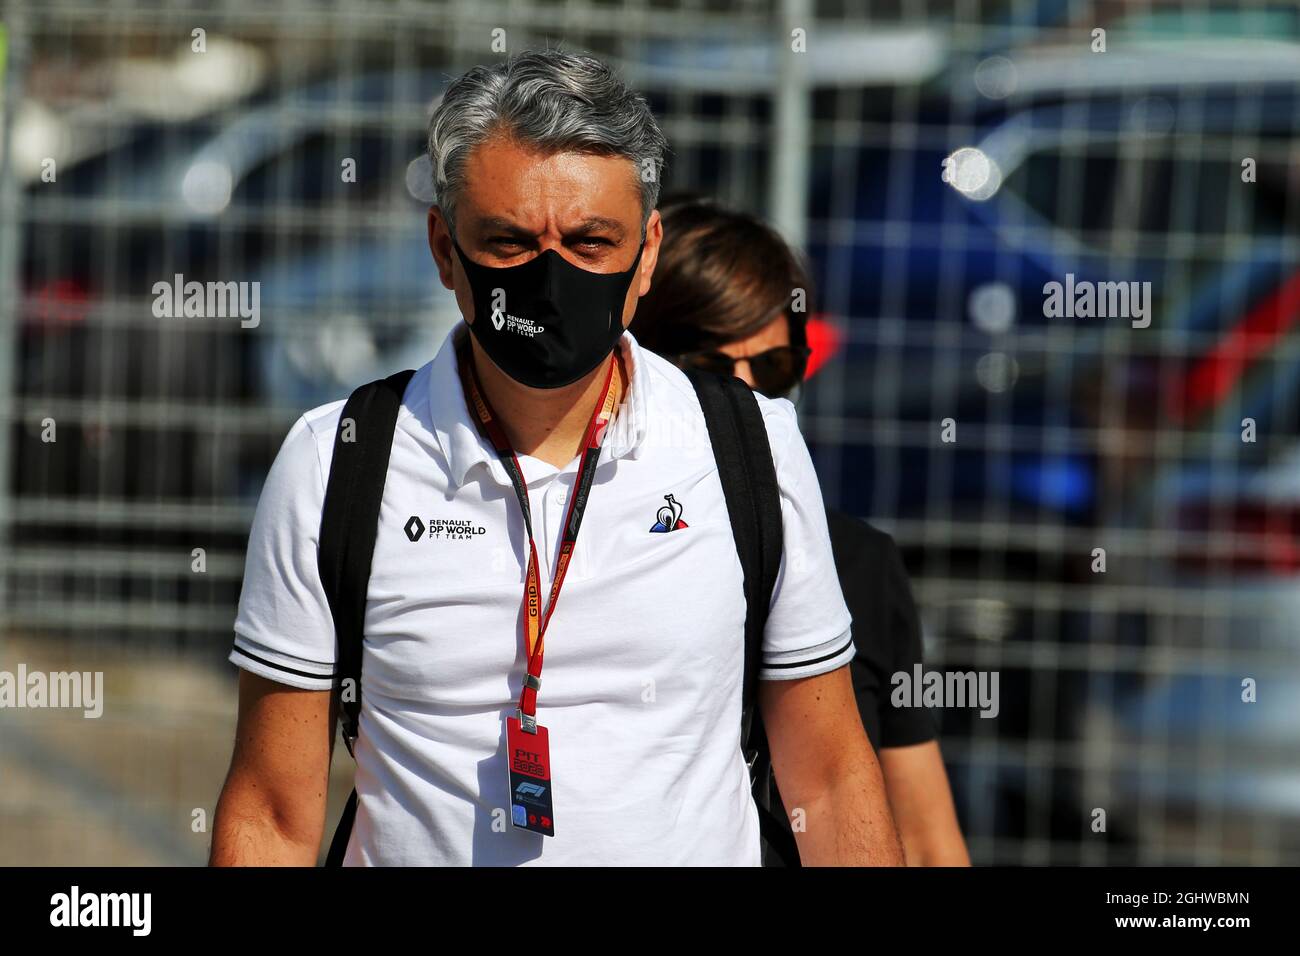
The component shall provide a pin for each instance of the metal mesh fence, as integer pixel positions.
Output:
(1097, 499)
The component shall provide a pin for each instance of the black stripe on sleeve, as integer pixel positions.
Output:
(816, 660)
(281, 667)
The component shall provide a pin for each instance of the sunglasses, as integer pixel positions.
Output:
(775, 371)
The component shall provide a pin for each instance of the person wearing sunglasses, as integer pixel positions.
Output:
(773, 369)
(721, 301)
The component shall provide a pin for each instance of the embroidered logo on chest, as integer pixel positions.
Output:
(442, 529)
(669, 517)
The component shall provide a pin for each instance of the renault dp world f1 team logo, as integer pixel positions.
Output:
(447, 529)
(670, 516)
(513, 323)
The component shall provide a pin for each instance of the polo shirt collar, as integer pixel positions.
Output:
(464, 447)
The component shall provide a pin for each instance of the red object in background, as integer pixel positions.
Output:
(57, 302)
(1217, 374)
(1246, 537)
(824, 340)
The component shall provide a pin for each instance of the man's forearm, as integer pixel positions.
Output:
(848, 822)
(921, 798)
(245, 833)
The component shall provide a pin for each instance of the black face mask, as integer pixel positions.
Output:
(546, 322)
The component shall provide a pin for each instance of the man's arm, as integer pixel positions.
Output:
(272, 807)
(922, 801)
(825, 768)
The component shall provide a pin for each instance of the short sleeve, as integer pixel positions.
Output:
(808, 625)
(284, 630)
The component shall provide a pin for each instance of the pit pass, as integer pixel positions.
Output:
(530, 778)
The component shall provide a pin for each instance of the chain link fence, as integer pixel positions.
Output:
(1056, 276)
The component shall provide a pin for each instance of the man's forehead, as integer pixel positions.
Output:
(509, 186)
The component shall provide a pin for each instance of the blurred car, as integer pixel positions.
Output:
(1222, 716)
(164, 433)
(941, 297)
(217, 198)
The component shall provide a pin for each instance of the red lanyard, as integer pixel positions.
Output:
(535, 622)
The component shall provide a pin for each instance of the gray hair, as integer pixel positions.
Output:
(550, 100)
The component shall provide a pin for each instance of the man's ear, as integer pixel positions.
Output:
(444, 256)
(640, 284)
(654, 235)
(440, 246)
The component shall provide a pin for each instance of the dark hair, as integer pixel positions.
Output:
(722, 276)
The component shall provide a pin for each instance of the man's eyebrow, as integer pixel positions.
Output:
(499, 224)
(598, 223)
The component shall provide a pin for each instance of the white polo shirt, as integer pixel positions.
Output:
(641, 690)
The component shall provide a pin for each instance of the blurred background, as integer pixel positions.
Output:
(940, 161)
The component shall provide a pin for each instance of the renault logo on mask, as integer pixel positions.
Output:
(547, 293)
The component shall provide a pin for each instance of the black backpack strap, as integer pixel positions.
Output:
(349, 520)
(343, 832)
(744, 458)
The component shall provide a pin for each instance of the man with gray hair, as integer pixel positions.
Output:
(537, 417)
